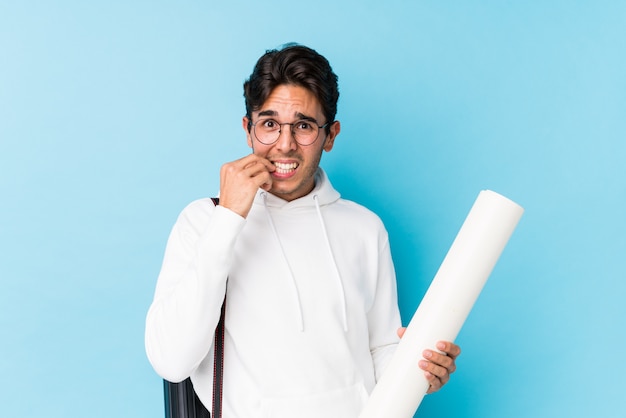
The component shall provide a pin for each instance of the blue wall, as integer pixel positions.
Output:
(115, 114)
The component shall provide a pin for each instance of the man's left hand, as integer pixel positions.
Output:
(437, 366)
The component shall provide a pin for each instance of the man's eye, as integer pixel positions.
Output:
(303, 126)
(270, 124)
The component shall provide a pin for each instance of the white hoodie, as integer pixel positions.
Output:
(311, 313)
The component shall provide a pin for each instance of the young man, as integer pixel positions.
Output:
(312, 316)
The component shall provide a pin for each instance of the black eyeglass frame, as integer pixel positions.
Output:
(292, 124)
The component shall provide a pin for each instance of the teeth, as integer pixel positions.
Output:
(285, 168)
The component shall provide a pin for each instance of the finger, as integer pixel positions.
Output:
(438, 370)
(267, 182)
(256, 168)
(401, 331)
(258, 162)
(437, 377)
(434, 383)
(447, 362)
(246, 170)
(262, 179)
(260, 175)
(260, 172)
(248, 159)
(452, 350)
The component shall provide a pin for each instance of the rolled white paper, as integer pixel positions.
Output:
(446, 305)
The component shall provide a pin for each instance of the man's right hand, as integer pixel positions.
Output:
(240, 180)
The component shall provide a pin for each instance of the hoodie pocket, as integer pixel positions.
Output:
(340, 403)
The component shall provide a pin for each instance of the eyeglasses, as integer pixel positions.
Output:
(305, 132)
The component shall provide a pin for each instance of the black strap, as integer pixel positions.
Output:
(218, 365)
(218, 358)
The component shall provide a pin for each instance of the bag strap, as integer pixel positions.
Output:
(218, 358)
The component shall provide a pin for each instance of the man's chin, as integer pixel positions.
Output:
(289, 190)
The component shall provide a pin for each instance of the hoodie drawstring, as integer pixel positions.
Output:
(282, 250)
(332, 257)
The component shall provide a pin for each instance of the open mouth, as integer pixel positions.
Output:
(285, 168)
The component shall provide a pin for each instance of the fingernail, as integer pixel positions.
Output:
(441, 346)
(427, 354)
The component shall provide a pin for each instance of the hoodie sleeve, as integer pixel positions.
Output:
(384, 316)
(181, 321)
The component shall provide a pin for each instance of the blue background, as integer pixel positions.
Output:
(114, 115)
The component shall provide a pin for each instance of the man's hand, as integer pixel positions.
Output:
(240, 180)
(438, 367)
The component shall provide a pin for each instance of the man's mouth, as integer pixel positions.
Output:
(284, 168)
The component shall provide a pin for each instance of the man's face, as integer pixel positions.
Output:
(295, 164)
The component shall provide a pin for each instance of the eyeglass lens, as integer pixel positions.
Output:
(304, 132)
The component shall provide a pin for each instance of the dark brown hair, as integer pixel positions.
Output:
(297, 65)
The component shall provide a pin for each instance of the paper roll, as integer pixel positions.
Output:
(446, 304)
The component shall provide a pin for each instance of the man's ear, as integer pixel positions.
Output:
(245, 123)
(334, 130)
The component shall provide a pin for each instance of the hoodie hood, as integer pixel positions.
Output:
(323, 189)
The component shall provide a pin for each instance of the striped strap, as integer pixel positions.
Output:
(218, 359)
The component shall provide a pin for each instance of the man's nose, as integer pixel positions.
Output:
(286, 140)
